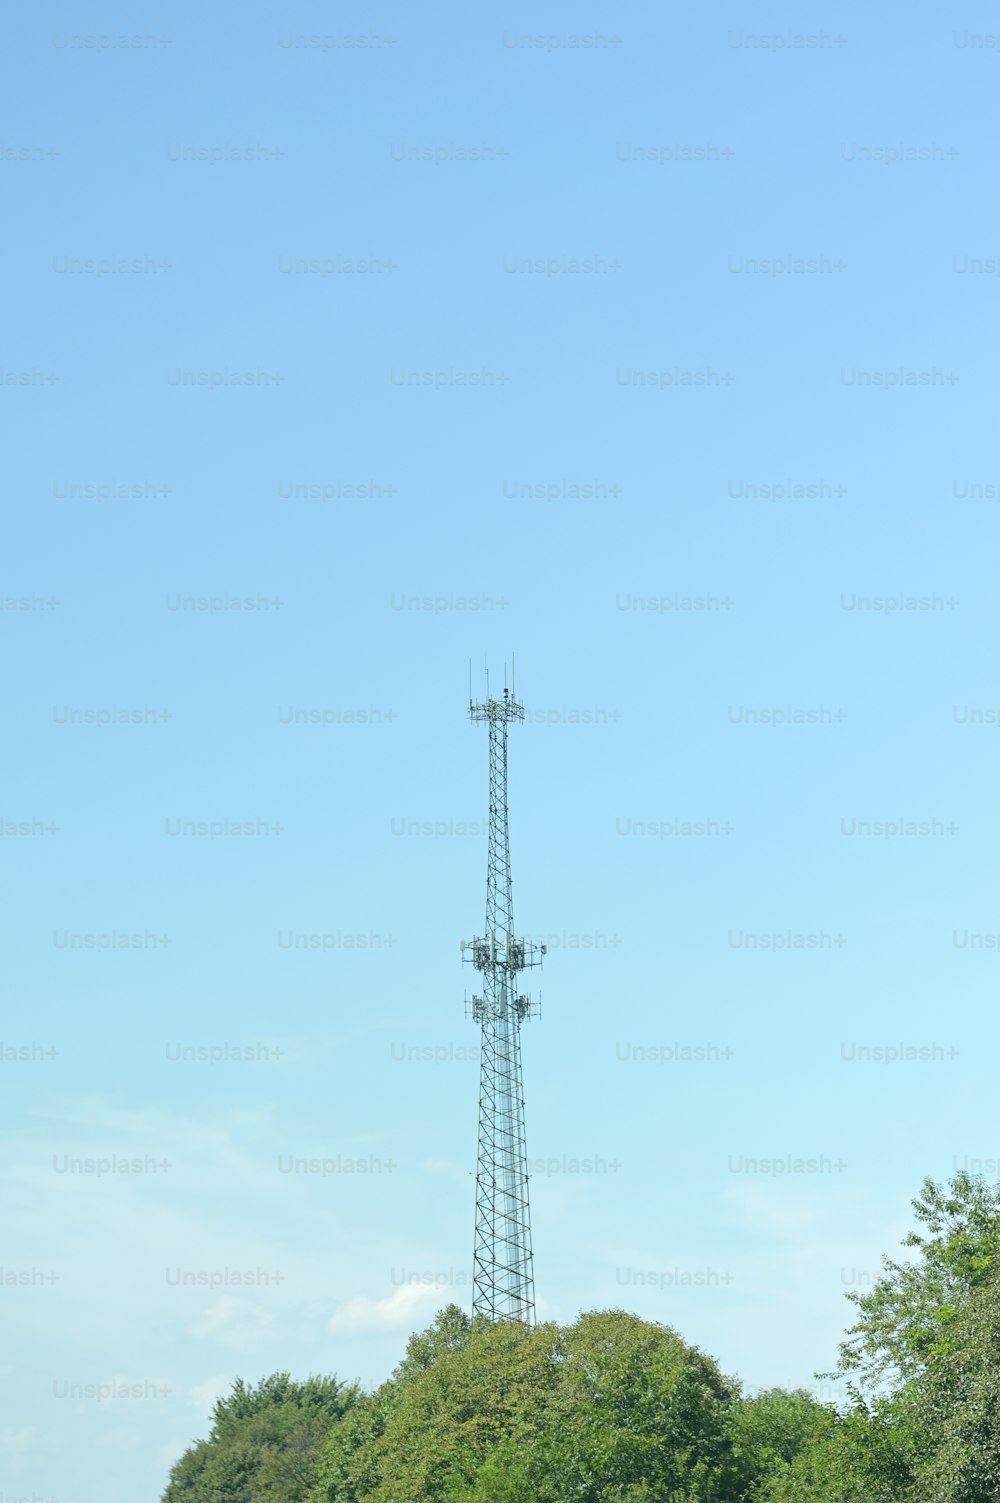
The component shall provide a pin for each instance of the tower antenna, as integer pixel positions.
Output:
(503, 1277)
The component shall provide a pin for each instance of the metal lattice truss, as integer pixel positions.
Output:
(503, 1283)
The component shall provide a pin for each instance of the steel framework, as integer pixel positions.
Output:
(503, 1281)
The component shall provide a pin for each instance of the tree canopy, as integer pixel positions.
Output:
(617, 1409)
(907, 1317)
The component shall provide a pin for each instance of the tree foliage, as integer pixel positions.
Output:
(264, 1442)
(907, 1317)
(771, 1429)
(616, 1409)
(958, 1406)
(613, 1407)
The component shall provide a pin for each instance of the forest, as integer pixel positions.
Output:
(614, 1407)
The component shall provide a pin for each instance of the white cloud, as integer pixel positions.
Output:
(235, 1322)
(406, 1306)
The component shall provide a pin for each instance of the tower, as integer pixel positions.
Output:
(503, 1282)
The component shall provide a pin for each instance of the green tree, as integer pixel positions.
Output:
(509, 1473)
(615, 1409)
(907, 1317)
(958, 1407)
(280, 1394)
(866, 1457)
(643, 1411)
(447, 1416)
(264, 1442)
(611, 1408)
(772, 1428)
(449, 1332)
(348, 1465)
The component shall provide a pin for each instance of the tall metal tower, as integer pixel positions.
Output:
(503, 1282)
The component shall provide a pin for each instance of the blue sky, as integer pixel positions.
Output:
(522, 362)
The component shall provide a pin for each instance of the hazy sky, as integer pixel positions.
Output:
(529, 329)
